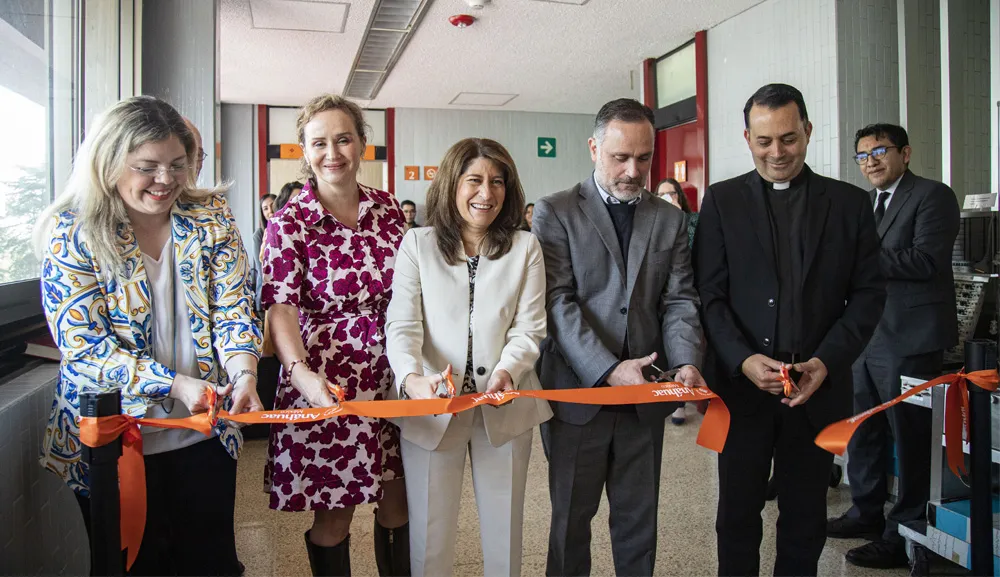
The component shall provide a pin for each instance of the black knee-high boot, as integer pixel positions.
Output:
(392, 550)
(330, 561)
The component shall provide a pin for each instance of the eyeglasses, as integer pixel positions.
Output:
(876, 153)
(202, 155)
(175, 171)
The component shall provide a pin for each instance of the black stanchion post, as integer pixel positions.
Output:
(980, 354)
(105, 507)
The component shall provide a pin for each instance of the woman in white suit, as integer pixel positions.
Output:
(468, 299)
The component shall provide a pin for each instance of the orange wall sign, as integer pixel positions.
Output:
(291, 151)
(369, 152)
(681, 171)
(411, 173)
(430, 172)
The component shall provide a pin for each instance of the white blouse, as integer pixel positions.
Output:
(173, 345)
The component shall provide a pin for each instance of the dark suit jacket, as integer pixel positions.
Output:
(593, 299)
(736, 274)
(917, 235)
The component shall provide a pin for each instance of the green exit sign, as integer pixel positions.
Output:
(546, 147)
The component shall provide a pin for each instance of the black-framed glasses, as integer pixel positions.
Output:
(202, 155)
(876, 153)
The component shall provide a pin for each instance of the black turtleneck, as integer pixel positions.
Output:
(788, 211)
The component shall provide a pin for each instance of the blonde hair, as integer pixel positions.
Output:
(323, 103)
(91, 191)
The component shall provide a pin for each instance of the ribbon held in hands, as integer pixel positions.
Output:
(787, 384)
(97, 431)
(834, 437)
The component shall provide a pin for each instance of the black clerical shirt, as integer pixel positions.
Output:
(788, 211)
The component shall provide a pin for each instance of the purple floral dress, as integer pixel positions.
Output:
(340, 280)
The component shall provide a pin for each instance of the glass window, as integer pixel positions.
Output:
(38, 113)
(675, 76)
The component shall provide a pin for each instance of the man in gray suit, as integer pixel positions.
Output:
(620, 297)
(917, 221)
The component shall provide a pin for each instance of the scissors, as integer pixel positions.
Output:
(215, 405)
(665, 376)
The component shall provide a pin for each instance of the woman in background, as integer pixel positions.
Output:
(671, 191)
(529, 211)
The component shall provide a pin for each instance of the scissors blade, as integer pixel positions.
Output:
(665, 376)
(216, 406)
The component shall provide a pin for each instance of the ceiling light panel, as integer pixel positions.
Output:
(302, 15)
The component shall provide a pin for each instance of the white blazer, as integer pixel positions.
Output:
(427, 327)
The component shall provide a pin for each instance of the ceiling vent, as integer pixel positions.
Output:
(481, 99)
(390, 28)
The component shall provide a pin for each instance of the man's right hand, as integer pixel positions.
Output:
(764, 372)
(630, 372)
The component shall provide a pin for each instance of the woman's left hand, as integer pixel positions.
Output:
(245, 398)
(500, 381)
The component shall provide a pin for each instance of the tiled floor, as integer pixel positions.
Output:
(271, 543)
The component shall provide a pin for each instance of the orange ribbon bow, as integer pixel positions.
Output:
(95, 432)
(834, 437)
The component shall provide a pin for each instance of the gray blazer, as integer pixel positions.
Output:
(592, 302)
(916, 236)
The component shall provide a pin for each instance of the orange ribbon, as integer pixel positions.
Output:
(97, 431)
(787, 384)
(834, 437)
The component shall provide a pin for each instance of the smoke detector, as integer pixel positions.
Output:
(477, 4)
(461, 20)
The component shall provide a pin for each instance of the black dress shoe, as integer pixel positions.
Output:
(845, 527)
(879, 555)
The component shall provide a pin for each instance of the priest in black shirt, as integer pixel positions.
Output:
(786, 264)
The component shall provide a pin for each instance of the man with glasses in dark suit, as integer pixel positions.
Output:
(917, 221)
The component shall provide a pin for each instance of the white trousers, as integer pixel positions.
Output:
(434, 492)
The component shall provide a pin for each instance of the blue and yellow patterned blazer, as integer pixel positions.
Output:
(102, 324)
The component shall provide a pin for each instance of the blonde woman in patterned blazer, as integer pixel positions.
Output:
(144, 288)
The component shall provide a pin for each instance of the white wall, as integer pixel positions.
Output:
(995, 98)
(186, 74)
(969, 64)
(867, 73)
(789, 41)
(281, 126)
(239, 166)
(424, 135)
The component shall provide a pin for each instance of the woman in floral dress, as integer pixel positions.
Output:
(328, 264)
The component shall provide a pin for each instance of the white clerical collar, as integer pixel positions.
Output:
(780, 185)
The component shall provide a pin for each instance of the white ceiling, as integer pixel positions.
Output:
(554, 57)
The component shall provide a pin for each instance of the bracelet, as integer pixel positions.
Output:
(291, 367)
(242, 373)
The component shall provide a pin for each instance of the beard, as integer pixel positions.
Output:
(618, 188)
